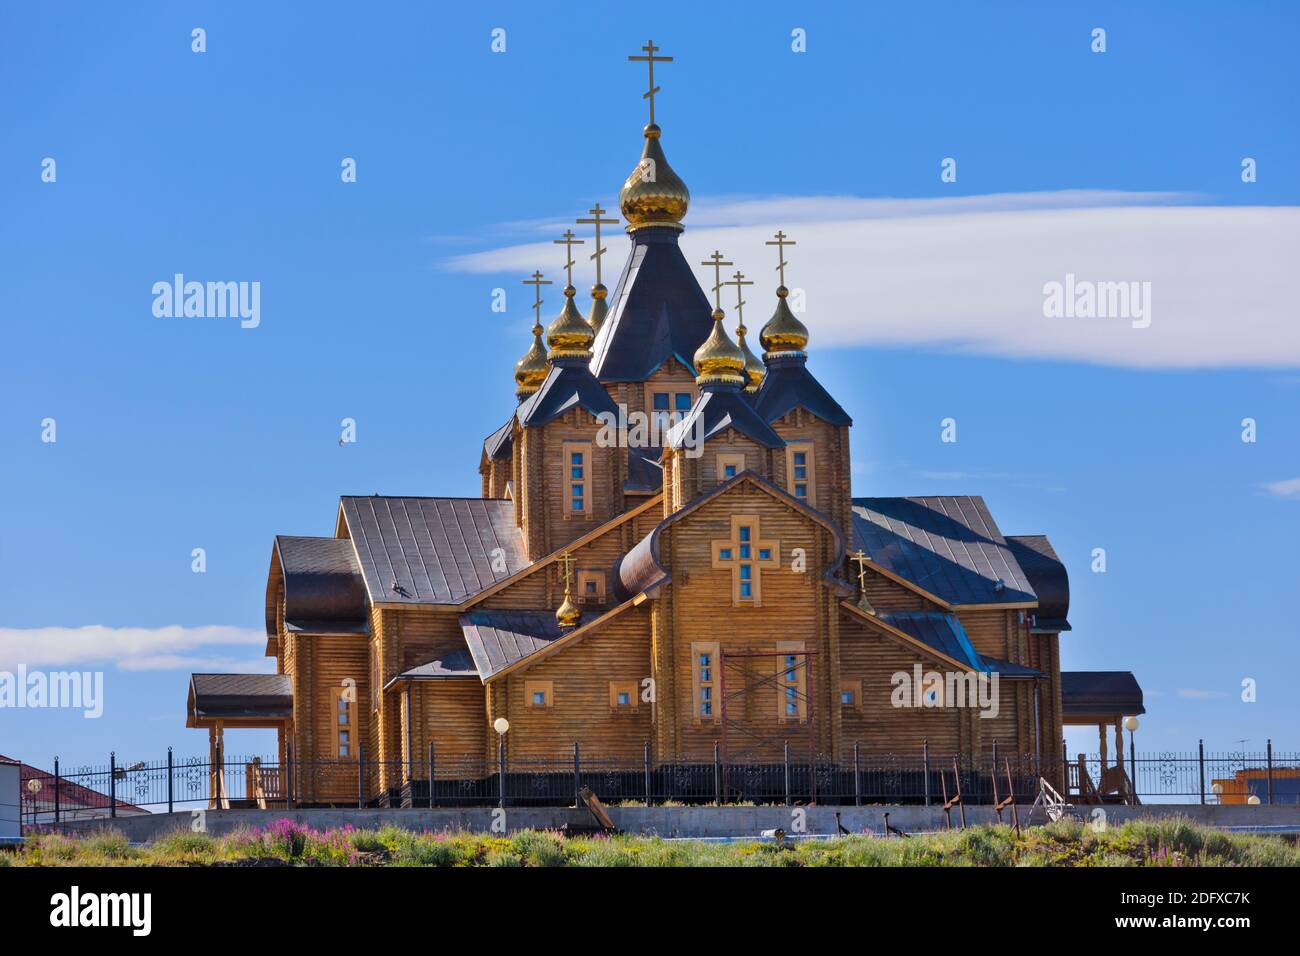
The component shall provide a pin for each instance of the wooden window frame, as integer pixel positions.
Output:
(340, 696)
(728, 554)
(672, 391)
(628, 687)
(586, 575)
(568, 481)
(726, 458)
(853, 687)
(810, 463)
(544, 687)
(800, 683)
(713, 649)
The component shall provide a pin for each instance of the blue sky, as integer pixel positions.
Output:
(182, 433)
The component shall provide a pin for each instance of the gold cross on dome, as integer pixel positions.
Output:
(739, 280)
(650, 60)
(566, 559)
(536, 281)
(596, 221)
(717, 262)
(861, 560)
(568, 242)
(780, 243)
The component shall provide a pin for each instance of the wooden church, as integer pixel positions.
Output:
(709, 581)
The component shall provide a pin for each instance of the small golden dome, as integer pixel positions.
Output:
(567, 613)
(569, 336)
(755, 370)
(599, 308)
(718, 359)
(653, 195)
(783, 333)
(530, 371)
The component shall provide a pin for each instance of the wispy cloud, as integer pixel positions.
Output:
(1196, 693)
(132, 648)
(1290, 488)
(967, 273)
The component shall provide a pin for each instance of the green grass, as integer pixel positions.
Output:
(1168, 842)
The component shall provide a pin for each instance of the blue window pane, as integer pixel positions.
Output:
(576, 490)
(745, 572)
(624, 698)
(577, 505)
(575, 472)
(744, 532)
(729, 471)
(683, 400)
(800, 472)
(539, 698)
(765, 554)
(846, 697)
(800, 458)
(746, 589)
(724, 554)
(575, 458)
(744, 552)
(661, 401)
(801, 491)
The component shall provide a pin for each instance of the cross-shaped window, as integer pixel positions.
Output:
(747, 555)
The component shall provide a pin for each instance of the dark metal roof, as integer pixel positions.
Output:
(939, 630)
(497, 446)
(327, 627)
(947, 545)
(322, 583)
(497, 639)
(1088, 693)
(644, 472)
(1047, 576)
(789, 385)
(718, 408)
(457, 663)
(657, 311)
(1009, 670)
(565, 387)
(435, 550)
(240, 695)
(638, 569)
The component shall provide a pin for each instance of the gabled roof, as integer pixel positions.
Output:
(789, 385)
(939, 630)
(432, 550)
(565, 387)
(323, 586)
(948, 546)
(457, 664)
(717, 409)
(1100, 693)
(657, 311)
(232, 696)
(497, 446)
(497, 639)
(1047, 576)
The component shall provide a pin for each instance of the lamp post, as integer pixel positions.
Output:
(501, 726)
(1131, 725)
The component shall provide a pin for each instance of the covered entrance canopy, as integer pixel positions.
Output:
(252, 701)
(1103, 698)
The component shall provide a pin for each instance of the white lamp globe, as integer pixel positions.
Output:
(1130, 724)
(501, 725)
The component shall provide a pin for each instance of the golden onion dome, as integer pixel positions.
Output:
(599, 308)
(653, 195)
(530, 371)
(569, 336)
(718, 359)
(567, 613)
(783, 333)
(755, 370)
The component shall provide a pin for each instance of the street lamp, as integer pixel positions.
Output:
(1131, 725)
(501, 726)
(1217, 790)
(1253, 799)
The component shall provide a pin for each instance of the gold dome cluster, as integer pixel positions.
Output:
(530, 371)
(719, 360)
(783, 334)
(653, 195)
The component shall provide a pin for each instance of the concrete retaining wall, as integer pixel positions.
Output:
(663, 821)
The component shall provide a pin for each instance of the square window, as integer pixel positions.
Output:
(801, 472)
(746, 589)
(624, 698)
(724, 554)
(744, 532)
(801, 458)
(661, 401)
(575, 458)
(683, 401)
(765, 554)
(591, 587)
(846, 697)
(801, 491)
(744, 552)
(729, 471)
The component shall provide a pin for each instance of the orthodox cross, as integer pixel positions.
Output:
(861, 560)
(780, 243)
(746, 555)
(536, 281)
(568, 242)
(566, 559)
(650, 60)
(596, 221)
(717, 262)
(739, 280)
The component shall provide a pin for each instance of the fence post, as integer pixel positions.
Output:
(501, 778)
(112, 784)
(787, 773)
(577, 775)
(1270, 771)
(361, 773)
(1201, 765)
(925, 767)
(857, 775)
(717, 774)
(170, 802)
(430, 774)
(56, 790)
(647, 773)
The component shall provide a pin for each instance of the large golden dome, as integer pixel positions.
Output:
(783, 333)
(719, 359)
(653, 195)
(569, 336)
(530, 371)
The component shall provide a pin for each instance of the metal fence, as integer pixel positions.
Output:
(119, 788)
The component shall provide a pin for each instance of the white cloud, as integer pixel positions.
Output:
(1290, 488)
(132, 648)
(1196, 693)
(967, 273)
